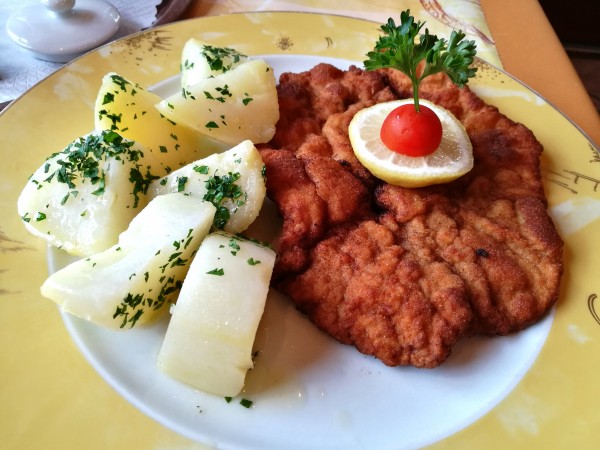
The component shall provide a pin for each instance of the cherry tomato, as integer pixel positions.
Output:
(410, 132)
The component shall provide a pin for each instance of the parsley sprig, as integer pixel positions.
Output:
(398, 49)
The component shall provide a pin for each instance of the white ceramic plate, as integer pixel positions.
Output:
(305, 383)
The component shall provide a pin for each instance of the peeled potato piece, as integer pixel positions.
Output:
(209, 340)
(80, 199)
(201, 60)
(125, 107)
(133, 282)
(237, 105)
(237, 172)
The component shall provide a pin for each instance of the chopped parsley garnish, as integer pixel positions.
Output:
(247, 99)
(233, 244)
(140, 182)
(218, 271)
(109, 97)
(201, 169)
(224, 94)
(84, 160)
(181, 181)
(132, 307)
(246, 403)
(187, 94)
(220, 188)
(221, 59)
(253, 262)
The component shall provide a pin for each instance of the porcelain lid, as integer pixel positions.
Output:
(60, 30)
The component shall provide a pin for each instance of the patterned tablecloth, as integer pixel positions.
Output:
(19, 70)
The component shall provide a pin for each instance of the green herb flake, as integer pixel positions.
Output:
(221, 59)
(181, 182)
(83, 160)
(219, 189)
(109, 97)
(246, 403)
(233, 244)
(219, 272)
(203, 170)
(65, 198)
(247, 99)
(253, 262)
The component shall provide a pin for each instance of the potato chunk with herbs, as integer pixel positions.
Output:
(234, 106)
(209, 339)
(134, 281)
(201, 60)
(127, 108)
(80, 199)
(233, 181)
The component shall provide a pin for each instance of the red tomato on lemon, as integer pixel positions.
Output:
(412, 133)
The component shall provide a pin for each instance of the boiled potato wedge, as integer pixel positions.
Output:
(201, 60)
(125, 107)
(240, 104)
(233, 181)
(80, 199)
(209, 340)
(134, 281)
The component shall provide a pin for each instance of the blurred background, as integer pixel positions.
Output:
(578, 28)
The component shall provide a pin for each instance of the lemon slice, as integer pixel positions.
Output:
(452, 159)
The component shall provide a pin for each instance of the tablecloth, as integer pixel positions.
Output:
(19, 70)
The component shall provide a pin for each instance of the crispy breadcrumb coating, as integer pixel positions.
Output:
(403, 274)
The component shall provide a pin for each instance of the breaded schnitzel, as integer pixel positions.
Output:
(403, 274)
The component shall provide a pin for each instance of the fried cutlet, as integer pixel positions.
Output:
(403, 274)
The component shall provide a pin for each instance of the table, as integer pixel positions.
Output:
(530, 51)
(52, 398)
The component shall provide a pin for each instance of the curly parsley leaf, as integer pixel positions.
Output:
(399, 49)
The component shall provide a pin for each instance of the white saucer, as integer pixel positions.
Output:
(60, 30)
